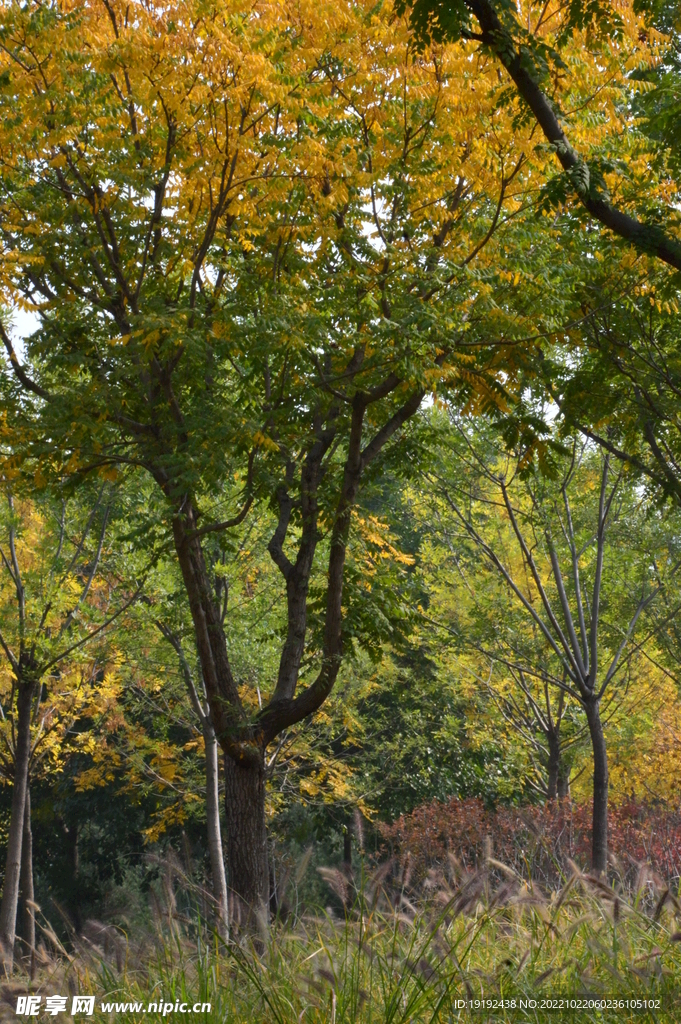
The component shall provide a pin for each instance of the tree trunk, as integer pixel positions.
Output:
(599, 835)
(274, 894)
(553, 767)
(247, 840)
(248, 876)
(347, 851)
(10, 891)
(563, 780)
(217, 862)
(27, 892)
(74, 860)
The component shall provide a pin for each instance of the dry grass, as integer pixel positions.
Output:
(398, 956)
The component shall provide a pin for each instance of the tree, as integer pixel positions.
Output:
(546, 542)
(540, 719)
(55, 598)
(623, 318)
(415, 745)
(251, 263)
(533, 60)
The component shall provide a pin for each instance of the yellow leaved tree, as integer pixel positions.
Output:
(58, 595)
(256, 236)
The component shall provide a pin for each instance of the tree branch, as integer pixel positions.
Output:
(646, 237)
(575, 668)
(19, 371)
(227, 524)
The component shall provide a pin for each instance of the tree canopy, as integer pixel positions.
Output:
(354, 353)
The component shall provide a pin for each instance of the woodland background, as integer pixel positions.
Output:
(339, 440)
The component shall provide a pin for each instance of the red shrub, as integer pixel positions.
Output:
(536, 841)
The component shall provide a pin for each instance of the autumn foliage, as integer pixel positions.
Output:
(537, 841)
(313, 312)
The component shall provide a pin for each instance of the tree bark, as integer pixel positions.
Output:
(563, 780)
(211, 646)
(244, 755)
(599, 835)
(248, 873)
(217, 861)
(553, 767)
(10, 891)
(27, 891)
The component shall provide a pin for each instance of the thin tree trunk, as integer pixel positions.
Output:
(347, 851)
(247, 841)
(553, 767)
(27, 891)
(599, 835)
(10, 891)
(74, 858)
(274, 895)
(217, 862)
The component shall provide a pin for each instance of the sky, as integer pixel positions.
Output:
(22, 323)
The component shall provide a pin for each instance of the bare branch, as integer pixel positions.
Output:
(95, 632)
(567, 614)
(91, 575)
(202, 713)
(574, 666)
(570, 668)
(575, 578)
(10, 656)
(21, 594)
(642, 605)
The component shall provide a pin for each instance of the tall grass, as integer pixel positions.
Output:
(396, 956)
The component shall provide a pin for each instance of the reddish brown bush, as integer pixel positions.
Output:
(537, 841)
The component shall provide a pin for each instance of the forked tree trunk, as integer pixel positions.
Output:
(248, 874)
(27, 891)
(242, 739)
(217, 861)
(599, 835)
(10, 891)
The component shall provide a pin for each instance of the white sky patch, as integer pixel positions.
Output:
(22, 323)
(545, 407)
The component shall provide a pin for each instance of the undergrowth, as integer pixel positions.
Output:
(395, 956)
